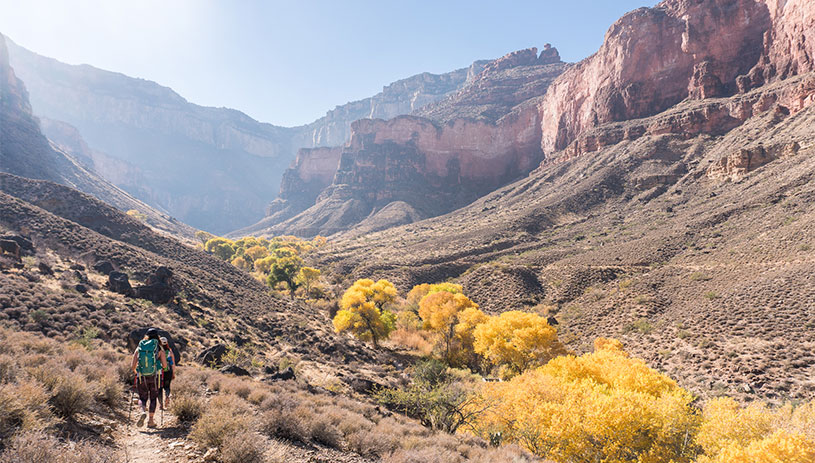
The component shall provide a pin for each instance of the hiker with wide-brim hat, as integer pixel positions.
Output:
(167, 375)
(146, 360)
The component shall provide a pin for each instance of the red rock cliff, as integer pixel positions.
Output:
(653, 58)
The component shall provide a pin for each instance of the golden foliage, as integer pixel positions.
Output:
(415, 295)
(602, 406)
(440, 313)
(731, 433)
(517, 340)
(362, 310)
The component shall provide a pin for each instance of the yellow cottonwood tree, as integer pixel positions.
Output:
(731, 433)
(440, 314)
(517, 341)
(415, 295)
(362, 310)
(599, 407)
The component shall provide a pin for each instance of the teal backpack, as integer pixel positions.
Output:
(148, 357)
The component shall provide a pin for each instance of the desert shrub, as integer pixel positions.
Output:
(8, 369)
(246, 447)
(187, 384)
(439, 397)
(186, 407)
(324, 432)
(218, 423)
(602, 406)
(423, 455)
(109, 391)
(37, 447)
(71, 395)
(413, 339)
(290, 423)
(370, 444)
(240, 387)
(258, 396)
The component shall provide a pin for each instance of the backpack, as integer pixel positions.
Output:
(169, 360)
(147, 357)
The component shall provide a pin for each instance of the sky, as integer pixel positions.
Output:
(288, 62)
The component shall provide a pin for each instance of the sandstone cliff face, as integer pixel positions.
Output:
(789, 46)
(503, 84)
(401, 97)
(397, 170)
(653, 58)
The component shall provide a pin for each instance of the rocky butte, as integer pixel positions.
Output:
(445, 156)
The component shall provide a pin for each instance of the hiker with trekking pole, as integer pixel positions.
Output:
(167, 375)
(145, 365)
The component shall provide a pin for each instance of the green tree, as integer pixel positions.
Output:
(439, 397)
(285, 269)
(221, 248)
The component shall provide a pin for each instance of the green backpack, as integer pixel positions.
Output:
(148, 357)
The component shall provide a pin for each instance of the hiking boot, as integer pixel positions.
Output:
(143, 417)
(152, 424)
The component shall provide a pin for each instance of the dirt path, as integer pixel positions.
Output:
(165, 444)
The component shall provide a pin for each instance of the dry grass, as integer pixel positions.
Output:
(39, 447)
(416, 340)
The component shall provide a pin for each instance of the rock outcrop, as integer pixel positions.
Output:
(427, 168)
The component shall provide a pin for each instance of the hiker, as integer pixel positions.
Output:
(168, 374)
(148, 375)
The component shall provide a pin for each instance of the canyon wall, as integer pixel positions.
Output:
(26, 152)
(653, 58)
(214, 168)
(409, 167)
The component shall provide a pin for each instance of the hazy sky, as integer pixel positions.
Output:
(288, 62)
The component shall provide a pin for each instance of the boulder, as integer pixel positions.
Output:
(363, 386)
(176, 345)
(77, 267)
(81, 288)
(24, 242)
(11, 248)
(285, 375)
(160, 288)
(45, 269)
(212, 355)
(235, 370)
(104, 267)
(118, 282)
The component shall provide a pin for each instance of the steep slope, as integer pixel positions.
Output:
(465, 146)
(216, 302)
(25, 151)
(683, 228)
(214, 168)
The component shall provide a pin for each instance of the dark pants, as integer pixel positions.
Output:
(148, 387)
(166, 379)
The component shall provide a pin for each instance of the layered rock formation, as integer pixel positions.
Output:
(401, 97)
(409, 167)
(25, 152)
(214, 168)
(653, 58)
